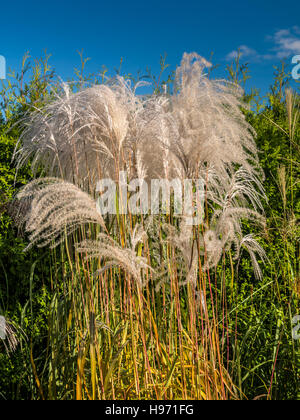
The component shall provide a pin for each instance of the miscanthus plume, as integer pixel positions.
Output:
(198, 131)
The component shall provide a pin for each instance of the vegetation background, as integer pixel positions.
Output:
(254, 318)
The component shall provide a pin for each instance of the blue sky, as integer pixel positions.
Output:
(266, 31)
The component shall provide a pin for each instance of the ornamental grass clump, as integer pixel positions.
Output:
(198, 132)
(130, 267)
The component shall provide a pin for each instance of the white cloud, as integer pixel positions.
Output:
(286, 43)
(244, 50)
